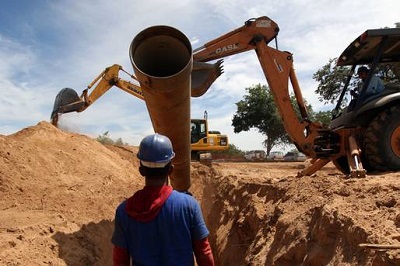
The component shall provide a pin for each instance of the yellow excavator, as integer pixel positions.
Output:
(67, 100)
(364, 137)
(204, 140)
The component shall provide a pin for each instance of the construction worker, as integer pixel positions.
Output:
(159, 225)
(375, 85)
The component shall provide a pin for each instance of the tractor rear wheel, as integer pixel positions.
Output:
(382, 141)
(342, 165)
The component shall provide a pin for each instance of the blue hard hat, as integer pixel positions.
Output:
(155, 151)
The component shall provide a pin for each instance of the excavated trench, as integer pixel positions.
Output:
(276, 223)
(60, 190)
(286, 221)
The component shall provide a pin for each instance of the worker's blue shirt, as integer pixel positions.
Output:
(375, 86)
(166, 240)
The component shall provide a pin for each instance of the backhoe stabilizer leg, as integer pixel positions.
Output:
(316, 165)
(353, 158)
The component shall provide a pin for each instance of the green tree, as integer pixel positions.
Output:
(119, 142)
(232, 151)
(323, 117)
(258, 110)
(106, 139)
(330, 78)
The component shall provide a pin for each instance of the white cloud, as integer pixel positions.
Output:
(67, 44)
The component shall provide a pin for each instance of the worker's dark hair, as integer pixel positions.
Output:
(362, 69)
(150, 172)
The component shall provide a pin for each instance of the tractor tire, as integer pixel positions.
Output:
(195, 156)
(342, 165)
(382, 141)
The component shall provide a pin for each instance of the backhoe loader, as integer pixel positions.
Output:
(169, 72)
(365, 137)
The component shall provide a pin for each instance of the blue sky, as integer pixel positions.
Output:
(47, 45)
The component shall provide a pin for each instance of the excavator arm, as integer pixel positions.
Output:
(239, 40)
(67, 100)
(108, 78)
(321, 144)
(278, 69)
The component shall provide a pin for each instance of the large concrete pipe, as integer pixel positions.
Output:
(161, 57)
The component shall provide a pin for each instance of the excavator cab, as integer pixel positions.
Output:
(203, 140)
(373, 48)
(198, 130)
(374, 120)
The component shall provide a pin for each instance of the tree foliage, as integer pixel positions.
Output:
(232, 151)
(106, 139)
(258, 110)
(330, 78)
(323, 117)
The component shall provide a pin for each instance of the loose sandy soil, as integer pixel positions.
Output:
(59, 191)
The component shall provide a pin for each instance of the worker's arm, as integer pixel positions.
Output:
(121, 256)
(203, 253)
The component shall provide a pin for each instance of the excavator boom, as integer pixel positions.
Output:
(277, 66)
(321, 144)
(239, 40)
(67, 100)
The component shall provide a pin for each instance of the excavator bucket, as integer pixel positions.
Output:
(204, 75)
(67, 100)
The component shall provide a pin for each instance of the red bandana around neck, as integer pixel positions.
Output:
(145, 204)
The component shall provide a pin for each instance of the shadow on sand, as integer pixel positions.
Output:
(91, 245)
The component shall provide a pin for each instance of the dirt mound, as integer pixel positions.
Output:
(59, 192)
